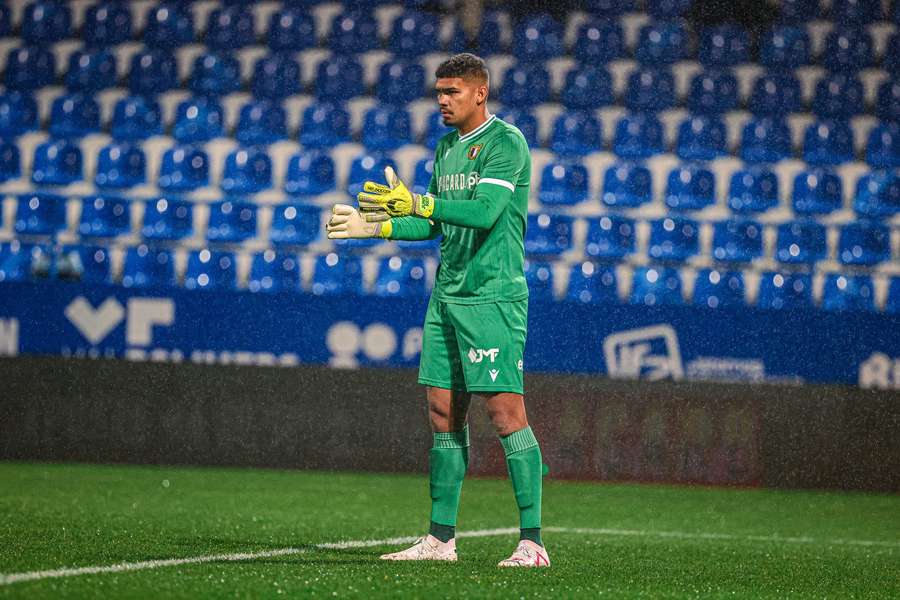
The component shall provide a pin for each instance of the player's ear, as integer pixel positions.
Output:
(481, 95)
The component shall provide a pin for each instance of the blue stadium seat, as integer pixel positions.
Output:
(400, 276)
(198, 119)
(817, 191)
(539, 277)
(18, 113)
(599, 41)
(309, 173)
(89, 264)
(231, 222)
(799, 11)
(719, 289)
(784, 48)
(690, 186)
(230, 27)
(338, 79)
(291, 29)
(591, 283)
(386, 128)
(136, 118)
(776, 95)
(273, 272)
(40, 213)
(607, 9)
(667, 9)
(435, 130)
(548, 234)
(29, 68)
(337, 274)
(18, 261)
(261, 122)
(855, 12)
(490, 38)
(587, 87)
(844, 293)
(661, 43)
(847, 50)
(169, 25)
(353, 32)
(45, 22)
(74, 116)
(524, 87)
(537, 39)
(400, 81)
(183, 169)
(576, 133)
(91, 71)
(891, 59)
(168, 219)
(6, 25)
(638, 135)
(610, 237)
(295, 224)
(766, 139)
(785, 291)
(883, 147)
(864, 243)
(753, 189)
(656, 286)
(215, 74)
(878, 194)
(210, 270)
(701, 138)
(627, 185)
(146, 267)
(106, 24)
(887, 106)
(838, 96)
(712, 92)
(524, 120)
(892, 304)
(423, 174)
(737, 241)
(650, 89)
(801, 242)
(152, 72)
(564, 183)
(367, 167)
(724, 46)
(247, 171)
(324, 125)
(56, 162)
(414, 33)
(828, 143)
(674, 238)
(10, 161)
(277, 76)
(104, 217)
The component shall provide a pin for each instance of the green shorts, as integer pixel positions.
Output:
(474, 347)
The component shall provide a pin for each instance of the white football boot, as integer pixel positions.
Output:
(427, 548)
(527, 554)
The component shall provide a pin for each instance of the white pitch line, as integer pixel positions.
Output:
(242, 556)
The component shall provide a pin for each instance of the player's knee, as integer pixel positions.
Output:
(439, 416)
(507, 421)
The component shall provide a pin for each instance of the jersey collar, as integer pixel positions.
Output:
(478, 130)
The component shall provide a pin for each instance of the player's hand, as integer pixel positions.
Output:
(393, 198)
(347, 223)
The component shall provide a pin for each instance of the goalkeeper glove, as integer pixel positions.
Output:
(347, 223)
(394, 199)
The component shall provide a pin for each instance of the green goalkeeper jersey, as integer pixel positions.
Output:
(481, 182)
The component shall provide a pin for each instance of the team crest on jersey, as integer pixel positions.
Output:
(474, 151)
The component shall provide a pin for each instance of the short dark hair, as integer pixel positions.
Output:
(465, 65)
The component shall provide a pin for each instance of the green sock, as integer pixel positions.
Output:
(449, 458)
(445, 533)
(523, 459)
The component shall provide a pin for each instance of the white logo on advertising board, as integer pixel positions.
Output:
(377, 341)
(95, 324)
(646, 353)
(9, 337)
(880, 371)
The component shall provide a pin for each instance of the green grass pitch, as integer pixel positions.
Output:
(647, 541)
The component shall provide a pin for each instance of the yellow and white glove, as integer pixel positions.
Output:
(393, 199)
(347, 223)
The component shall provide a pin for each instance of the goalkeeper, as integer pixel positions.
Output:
(475, 326)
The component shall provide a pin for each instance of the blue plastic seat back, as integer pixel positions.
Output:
(887, 106)
(737, 240)
(878, 194)
(828, 143)
(712, 92)
(423, 174)
(656, 286)
(846, 293)
(56, 162)
(295, 224)
(702, 138)
(215, 74)
(91, 71)
(169, 25)
(89, 264)
(291, 29)
(661, 43)
(10, 161)
(29, 68)
(638, 136)
(183, 169)
(198, 120)
(231, 221)
(490, 37)
(690, 186)
(18, 113)
(210, 270)
(785, 47)
(74, 116)
(106, 24)
(883, 147)
(627, 185)
(230, 27)
(401, 276)
(136, 118)
(753, 189)
(168, 219)
(273, 272)
(800, 242)
(650, 89)
(435, 130)
(817, 191)
(247, 171)
(856, 12)
(724, 46)
(539, 277)
(599, 41)
(324, 125)
(719, 289)
(891, 59)
(338, 79)
(353, 32)
(838, 96)
(591, 283)
(548, 234)
(104, 216)
(776, 95)
(309, 173)
(667, 9)
(537, 39)
(847, 49)
(152, 72)
(276, 76)
(865, 243)
(610, 237)
(523, 119)
(337, 274)
(400, 82)
(576, 133)
(261, 122)
(587, 87)
(766, 139)
(564, 183)
(525, 86)
(40, 213)
(892, 304)
(45, 22)
(22, 262)
(674, 238)
(607, 9)
(367, 167)
(785, 291)
(386, 128)
(146, 266)
(414, 33)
